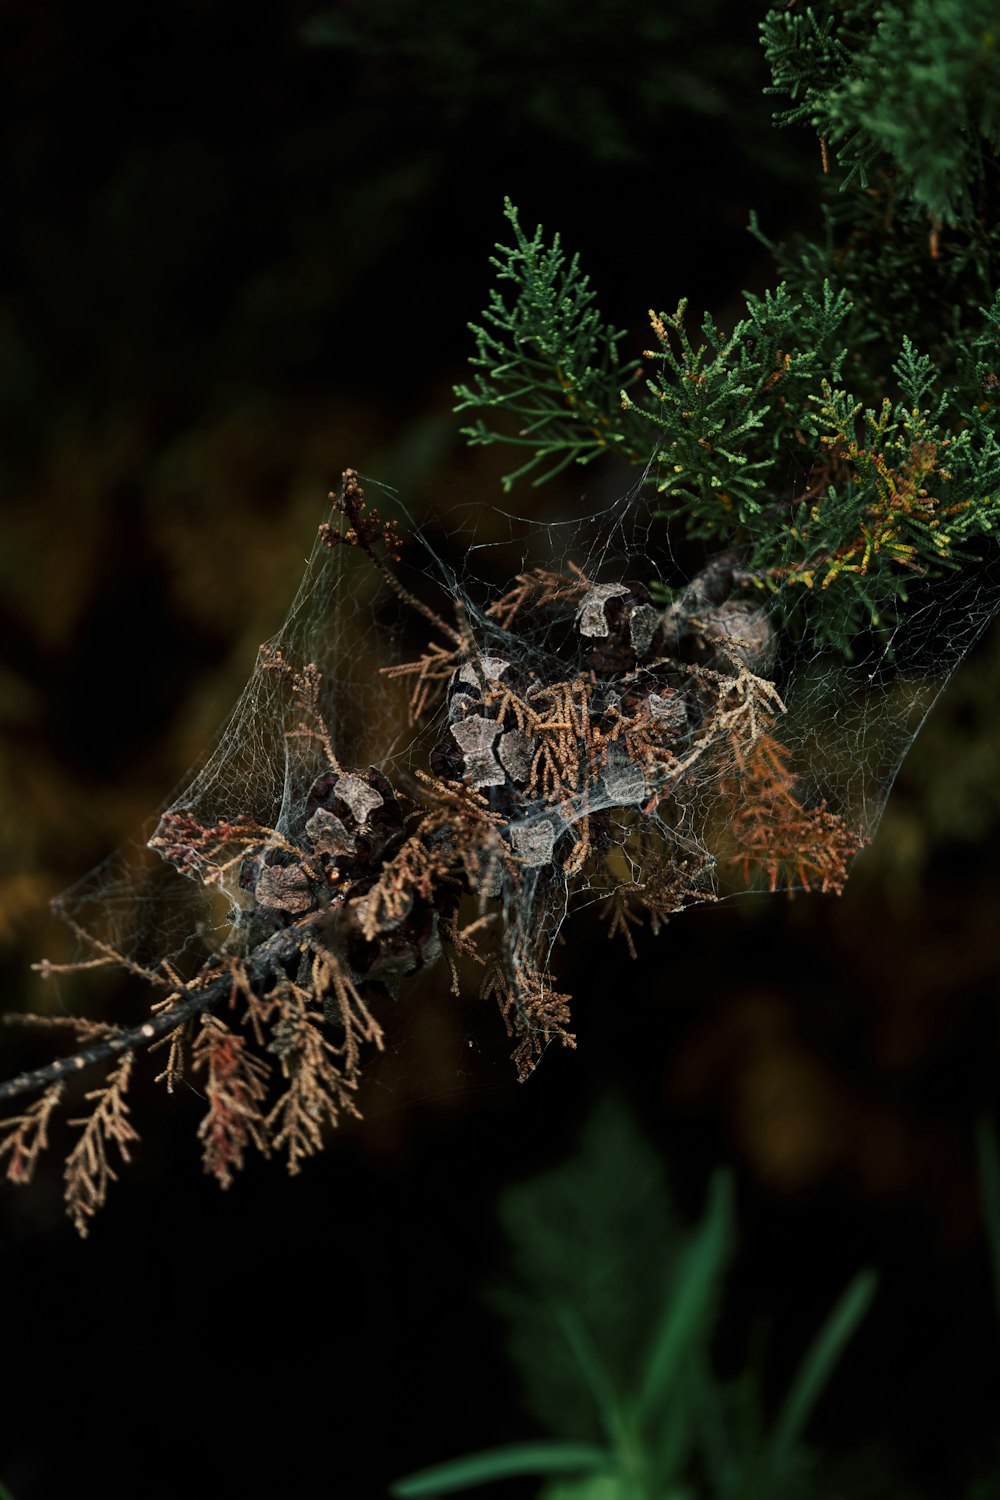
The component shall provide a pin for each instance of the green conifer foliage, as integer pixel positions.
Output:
(547, 357)
(936, 118)
(843, 436)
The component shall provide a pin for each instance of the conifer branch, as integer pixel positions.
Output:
(546, 358)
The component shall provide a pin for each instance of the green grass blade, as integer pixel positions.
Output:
(818, 1365)
(725, 1461)
(689, 1303)
(503, 1463)
(593, 1370)
(5, 1493)
(596, 1487)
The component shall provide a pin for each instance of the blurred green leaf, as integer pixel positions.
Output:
(586, 1236)
(614, 1316)
(502, 1463)
(606, 1487)
(600, 1487)
(817, 1367)
(689, 1304)
(593, 1370)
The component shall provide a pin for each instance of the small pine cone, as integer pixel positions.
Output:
(655, 691)
(446, 759)
(736, 629)
(478, 747)
(412, 944)
(355, 819)
(281, 890)
(619, 618)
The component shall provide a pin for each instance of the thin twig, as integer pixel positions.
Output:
(212, 993)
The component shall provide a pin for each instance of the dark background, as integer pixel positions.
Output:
(240, 248)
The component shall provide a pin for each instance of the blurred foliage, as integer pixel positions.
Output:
(613, 1310)
(905, 98)
(915, 80)
(615, 1314)
(579, 76)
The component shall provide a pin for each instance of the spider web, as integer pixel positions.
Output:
(695, 737)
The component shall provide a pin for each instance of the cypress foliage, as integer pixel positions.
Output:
(869, 374)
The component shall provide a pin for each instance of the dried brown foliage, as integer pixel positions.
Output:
(88, 1172)
(235, 1085)
(595, 784)
(774, 833)
(533, 1011)
(539, 588)
(28, 1135)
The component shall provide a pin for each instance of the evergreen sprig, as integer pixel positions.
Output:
(727, 408)
(548, 359)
